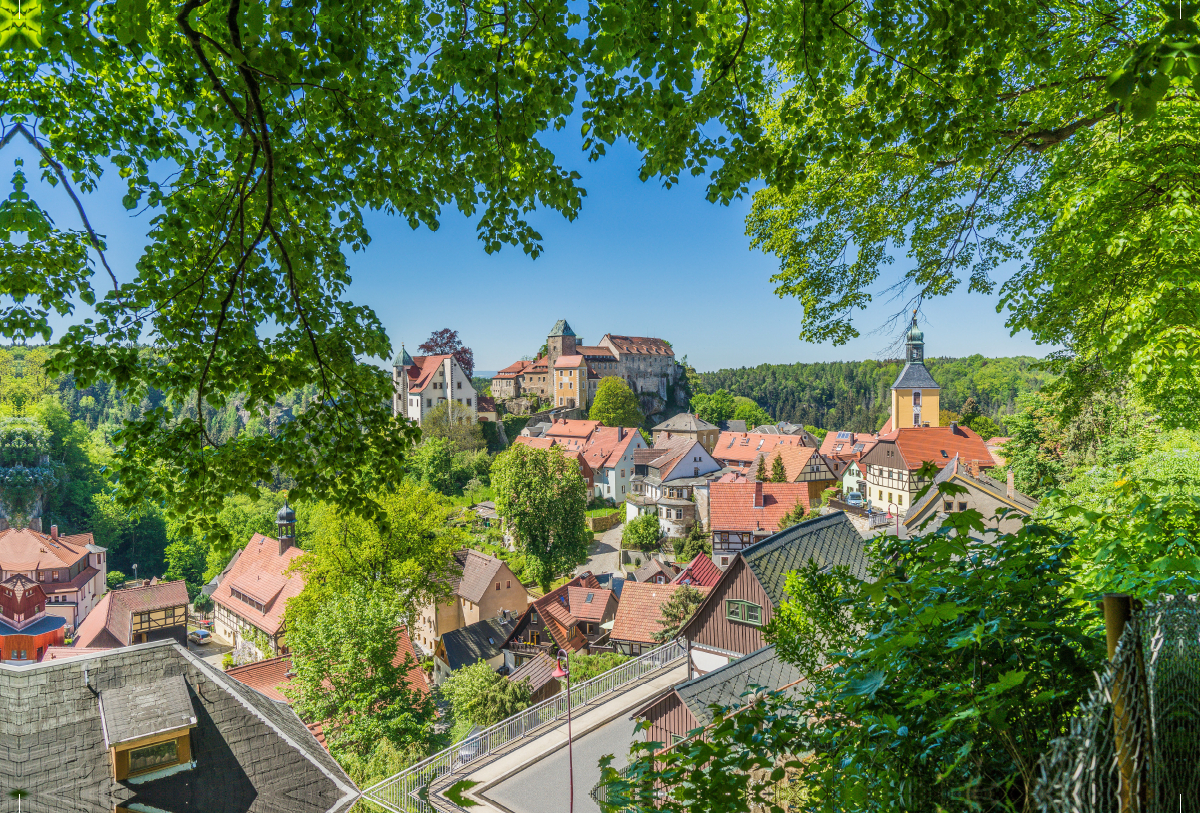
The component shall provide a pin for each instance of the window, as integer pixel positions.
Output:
(460, 385)
(428, 402)
(962, 506)
(949, 506)
(724, 561)
(54, 575)
(507, 584)
(468, 402)
(497, 585)
(724, 536)
(622, 472)
(533, 637)
(743, 611)
(41, 576)
(916, 398)
(153, 756)
(899, 499)
(533, 617)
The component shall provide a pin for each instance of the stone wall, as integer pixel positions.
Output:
(599, 524)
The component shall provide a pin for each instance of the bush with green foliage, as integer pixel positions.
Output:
(615, 404)
(642, 533)
(480, 697)
(115, 579)
(458, 427)
(754, 415)
(695, 543)
(794, 516)
(585, 667)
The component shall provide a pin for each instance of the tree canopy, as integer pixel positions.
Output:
(542, 496)
(446, 341)
(615, 404)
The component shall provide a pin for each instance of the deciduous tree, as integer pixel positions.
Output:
(447, 342)
(676, 611)
(542, 496)
(346, 675)
(642, 533)
(615, 404)
(480, 697)
(714, 407)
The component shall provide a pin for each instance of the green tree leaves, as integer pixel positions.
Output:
(615, 404)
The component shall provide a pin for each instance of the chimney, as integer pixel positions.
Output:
(758, 498)
(620, 433)
(973, 468)
(954, 427)
(667, 435)
(54, 532)
(1011, 487)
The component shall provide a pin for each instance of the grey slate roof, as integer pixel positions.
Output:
(561, 328)
(684, 422)
(725, 686)
(402, 358)
(466, 645)
(733, 426)
(252, 754)
(133, 712)
(982, 481)
(915, 376)
(831, 541)
(538, 671)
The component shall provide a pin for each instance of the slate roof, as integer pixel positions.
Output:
(109, 624)
(538, 671)
(561, 328)
(957, 469)
(132, 712)
(831, 540)
(480, 641)
(731, 505)
(640, 610)
(915, 376)
(684, 422)
(260, 559)
(732, 426)
(725, 686)
(475, 572)
(252, 754)
(485, 403)
(700, 572)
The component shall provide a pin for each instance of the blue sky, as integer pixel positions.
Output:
(639, 260)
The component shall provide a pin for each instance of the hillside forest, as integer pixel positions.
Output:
(855, 395)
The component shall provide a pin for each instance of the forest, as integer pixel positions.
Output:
(854, 395)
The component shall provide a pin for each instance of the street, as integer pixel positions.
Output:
(604, 553)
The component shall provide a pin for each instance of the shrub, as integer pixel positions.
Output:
(642, 533)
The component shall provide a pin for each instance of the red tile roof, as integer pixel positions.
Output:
(606, 446)
(668, 452)
(595, 352)
(742, 448)
(795, 459)
(887, 427)
(424, 368)
(919, 444)
(564, 428)
(701, 572)
(731, 505)
(555, 609)
(639, 345)
(534, 443)
(843, 448)
(569, 361)
(261, 567)
(640, 610)
(513, 370)
(58, 653)
(109, 624)
(585, 610)
(26, 549)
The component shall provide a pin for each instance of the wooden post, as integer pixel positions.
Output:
(1129, 752)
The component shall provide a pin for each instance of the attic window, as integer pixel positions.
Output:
(147, 728)
(588, 600)
(944, 454)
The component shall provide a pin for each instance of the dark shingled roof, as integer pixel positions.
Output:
(252, 754)
(957, 467)
(915, 376)
(538, 671)
(466, 645)
(831, 541)
(133, 712)
(725, 686)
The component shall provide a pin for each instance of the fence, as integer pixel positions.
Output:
(406, 791)
(1135, 746)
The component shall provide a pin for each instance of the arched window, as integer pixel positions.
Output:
(916, 398)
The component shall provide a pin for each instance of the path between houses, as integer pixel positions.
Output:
(604, 553)
(520, 781)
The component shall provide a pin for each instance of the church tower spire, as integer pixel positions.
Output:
(916, 397)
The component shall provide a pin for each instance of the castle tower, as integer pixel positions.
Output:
(560, 342)
(916, 397)
(400, 365)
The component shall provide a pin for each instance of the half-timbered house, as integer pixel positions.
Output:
(571, 617)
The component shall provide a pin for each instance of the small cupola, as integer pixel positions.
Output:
(915, 342)
(286, 521)
(402, 359)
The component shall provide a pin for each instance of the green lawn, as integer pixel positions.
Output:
(602, 512)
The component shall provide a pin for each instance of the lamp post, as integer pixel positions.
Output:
(895, 509)
(563, 670)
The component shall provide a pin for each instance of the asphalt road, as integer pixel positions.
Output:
(542, 787)
(604, 554)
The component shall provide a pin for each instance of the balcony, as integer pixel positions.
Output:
(520, 648)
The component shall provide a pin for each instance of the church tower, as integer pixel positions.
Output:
(916, 397)
(400, 365)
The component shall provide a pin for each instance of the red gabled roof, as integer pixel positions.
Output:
(564, 428)
(109, 623)
(606, 447)
(569, 362)
(745, 447)
(639, 345)
(534, 443)
(732, 509)
(843, 448)
(640, 610)
(423, 370)
(940, 444)
(261, 567)
(26, 549)
(513, 370)
(700, 572)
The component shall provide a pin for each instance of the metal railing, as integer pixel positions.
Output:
(406, 791)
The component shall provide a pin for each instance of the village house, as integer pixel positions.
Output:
(730, 622)
(26, 631)
(687, 424)
(639, 615)
(136, 615)
(481, 586)
(481, 641)
(740, 451)
(251, 598)
(743, 514)
(422, 383)
(155, 727)
(801, 464)
(785, 428)
(609, 453)
(664, 478)
(890, 467)
(655, 571)
(589, 476)
(71, 570)
(686, 706)
(984, 494)
(570, 617)
(538, 673)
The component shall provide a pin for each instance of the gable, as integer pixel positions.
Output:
(709, 625)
